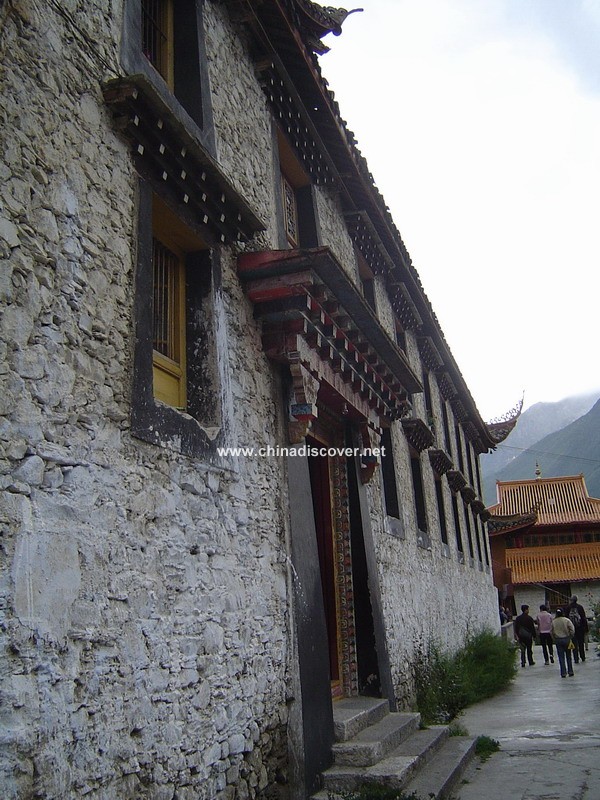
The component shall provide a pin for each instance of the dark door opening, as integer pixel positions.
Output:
(322, 507)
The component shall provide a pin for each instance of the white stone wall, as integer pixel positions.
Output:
(334, 230)
(384, 309)
(242, 120)
(428, 595)
(144, 594)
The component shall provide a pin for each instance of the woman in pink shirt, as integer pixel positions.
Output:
(543, 622)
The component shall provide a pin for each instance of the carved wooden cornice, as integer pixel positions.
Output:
(456, 480)
(429, 353)
(417, 433)
(440, 461)
(403, 305)
(458, 409)
(296, 123)
(164, 149)
(478, 506)
(367, 240)
(468, 493)
(446, 386)
(314, 316)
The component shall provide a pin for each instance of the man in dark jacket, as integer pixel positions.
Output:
(524, 628)
(576, 614)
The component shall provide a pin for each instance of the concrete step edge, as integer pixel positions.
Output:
(444, 769)
(394, 773)
(352, 715)
(375, 742)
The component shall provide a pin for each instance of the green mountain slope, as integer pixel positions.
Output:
(572, 450)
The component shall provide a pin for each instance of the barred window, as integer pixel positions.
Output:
(168, 324)
(290, 212)
(157, 36)
(165, 266)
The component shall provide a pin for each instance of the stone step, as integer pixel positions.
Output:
(395, 770)
(444, 771)
(375, 742)
(353, 714)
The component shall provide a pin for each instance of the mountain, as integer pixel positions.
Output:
(516, 457)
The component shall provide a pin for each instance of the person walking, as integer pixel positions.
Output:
(576, 614)
(524, 628)
(562, 631)
(544, 626)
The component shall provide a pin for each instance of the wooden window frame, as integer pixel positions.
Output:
(295, 198)
(388, 474)
(163, 59)
(169, 368)
(418, 485)
(290, 212)
(441, 509)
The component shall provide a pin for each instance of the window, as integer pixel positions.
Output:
(459, 450)
(400, 336)
(469, 532)
(176, 326)
(168, 329)
(419, 495)
(557, 595)
(367, 279)
(439, 495)
(390, 489)
(290, 212)
(170, 44)
(157, 36)
(485, 540)
(470, 463)
(457, 526)
(478, 534)
(176, 362)
(446, 422)
(297, 206)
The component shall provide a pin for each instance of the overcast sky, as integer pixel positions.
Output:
(480, 122)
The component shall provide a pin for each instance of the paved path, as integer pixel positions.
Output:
(549, 731)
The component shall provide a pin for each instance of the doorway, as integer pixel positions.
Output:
(343, 569)
(320, 481)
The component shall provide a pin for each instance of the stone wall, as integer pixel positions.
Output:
(131, 664)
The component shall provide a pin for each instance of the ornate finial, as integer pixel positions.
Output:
(538, 471)
(317, 21)
(500, 427)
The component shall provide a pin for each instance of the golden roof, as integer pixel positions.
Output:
(563, 563)
(556, 500)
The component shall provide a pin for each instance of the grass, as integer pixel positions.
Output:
(373, 791)
(456, 729)
(485, 746)
(447, 683)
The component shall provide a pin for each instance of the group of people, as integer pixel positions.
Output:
(566, 630)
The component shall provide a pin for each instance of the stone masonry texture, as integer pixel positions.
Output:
(145, 596)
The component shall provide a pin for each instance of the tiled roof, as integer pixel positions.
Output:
(554, 564)
(556, 500)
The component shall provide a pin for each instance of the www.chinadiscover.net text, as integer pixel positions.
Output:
(278, 451)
